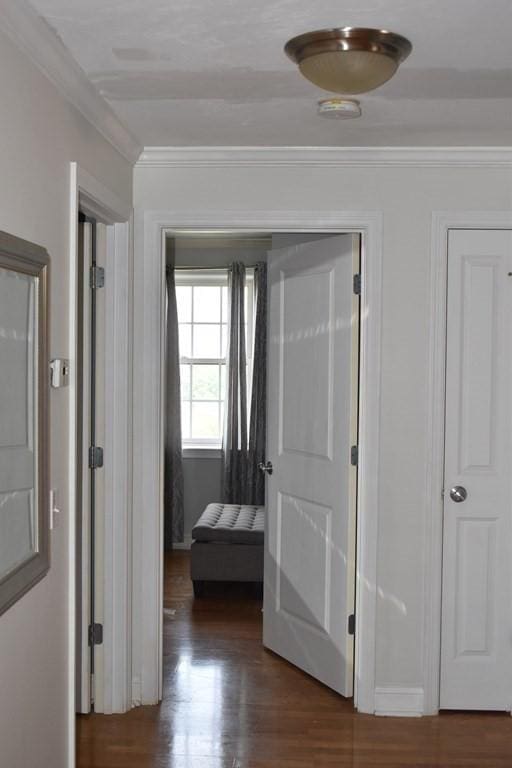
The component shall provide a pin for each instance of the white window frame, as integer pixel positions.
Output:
(194, 277)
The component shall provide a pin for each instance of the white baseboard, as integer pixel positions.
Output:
(185, 544)
(394, 701)
(136, 692)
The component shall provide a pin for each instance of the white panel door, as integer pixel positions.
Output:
(83, 670)
(312, 424)
(476, 657)
(90, 525)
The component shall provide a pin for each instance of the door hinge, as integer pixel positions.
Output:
(95, 634)
(96, 277)
(95, 457)
(357, 284)
(354, 455)
(352, 624)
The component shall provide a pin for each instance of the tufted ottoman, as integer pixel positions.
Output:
(228, 545)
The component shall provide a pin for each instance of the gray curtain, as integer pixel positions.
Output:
(173, 469)
(258, 418)
(244, 483)
(235, 419)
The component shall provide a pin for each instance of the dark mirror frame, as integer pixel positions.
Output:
(28, 258)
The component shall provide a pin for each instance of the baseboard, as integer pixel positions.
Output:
(136, 692)
(391, 701)
(185, 544)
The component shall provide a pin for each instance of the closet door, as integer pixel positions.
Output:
(476, 661)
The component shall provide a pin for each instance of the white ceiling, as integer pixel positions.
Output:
(213, 72)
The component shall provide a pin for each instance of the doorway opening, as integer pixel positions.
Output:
(307, 554)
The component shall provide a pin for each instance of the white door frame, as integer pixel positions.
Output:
(98, 201)
(442, 221)
(148, 437)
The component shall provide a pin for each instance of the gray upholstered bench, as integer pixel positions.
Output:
(227, 545)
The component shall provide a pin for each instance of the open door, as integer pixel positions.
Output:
(90, 490)
(312, 449)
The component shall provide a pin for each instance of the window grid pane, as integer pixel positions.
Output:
(206, 340)
(185, 331)
(203, 317)
(185, 381)
(207, 304)
(205, 419)
(205, 382)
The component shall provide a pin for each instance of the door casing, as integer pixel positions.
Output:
(148, 432)
(442, 222)
(94, 198)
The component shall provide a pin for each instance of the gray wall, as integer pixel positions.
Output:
(203, 483)
(210, 256)
(41, 134)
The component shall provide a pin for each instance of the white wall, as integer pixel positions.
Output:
(41, 134)
(406, 196)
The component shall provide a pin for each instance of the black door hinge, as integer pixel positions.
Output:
(95, 457)
(96, 277)
(352, 624)
(354, 455)
(95, 634)
(357, 284)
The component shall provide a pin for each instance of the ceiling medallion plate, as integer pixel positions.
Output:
(339, 109)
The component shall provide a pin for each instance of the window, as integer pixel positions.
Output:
(202, 299)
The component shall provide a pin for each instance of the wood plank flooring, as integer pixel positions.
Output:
(228, 703)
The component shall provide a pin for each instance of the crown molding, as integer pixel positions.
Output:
(220, 157)
(31, 34)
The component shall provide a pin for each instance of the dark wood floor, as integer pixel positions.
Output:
(230, 704)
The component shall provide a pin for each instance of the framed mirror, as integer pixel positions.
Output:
(24, 438)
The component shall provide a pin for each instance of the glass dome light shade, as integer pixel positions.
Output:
(348, 71)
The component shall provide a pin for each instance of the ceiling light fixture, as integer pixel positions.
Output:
(349, 59)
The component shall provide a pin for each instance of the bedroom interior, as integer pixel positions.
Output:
(206, 502)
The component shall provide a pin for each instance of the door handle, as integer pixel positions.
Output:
(266, 467)
(458, 493)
